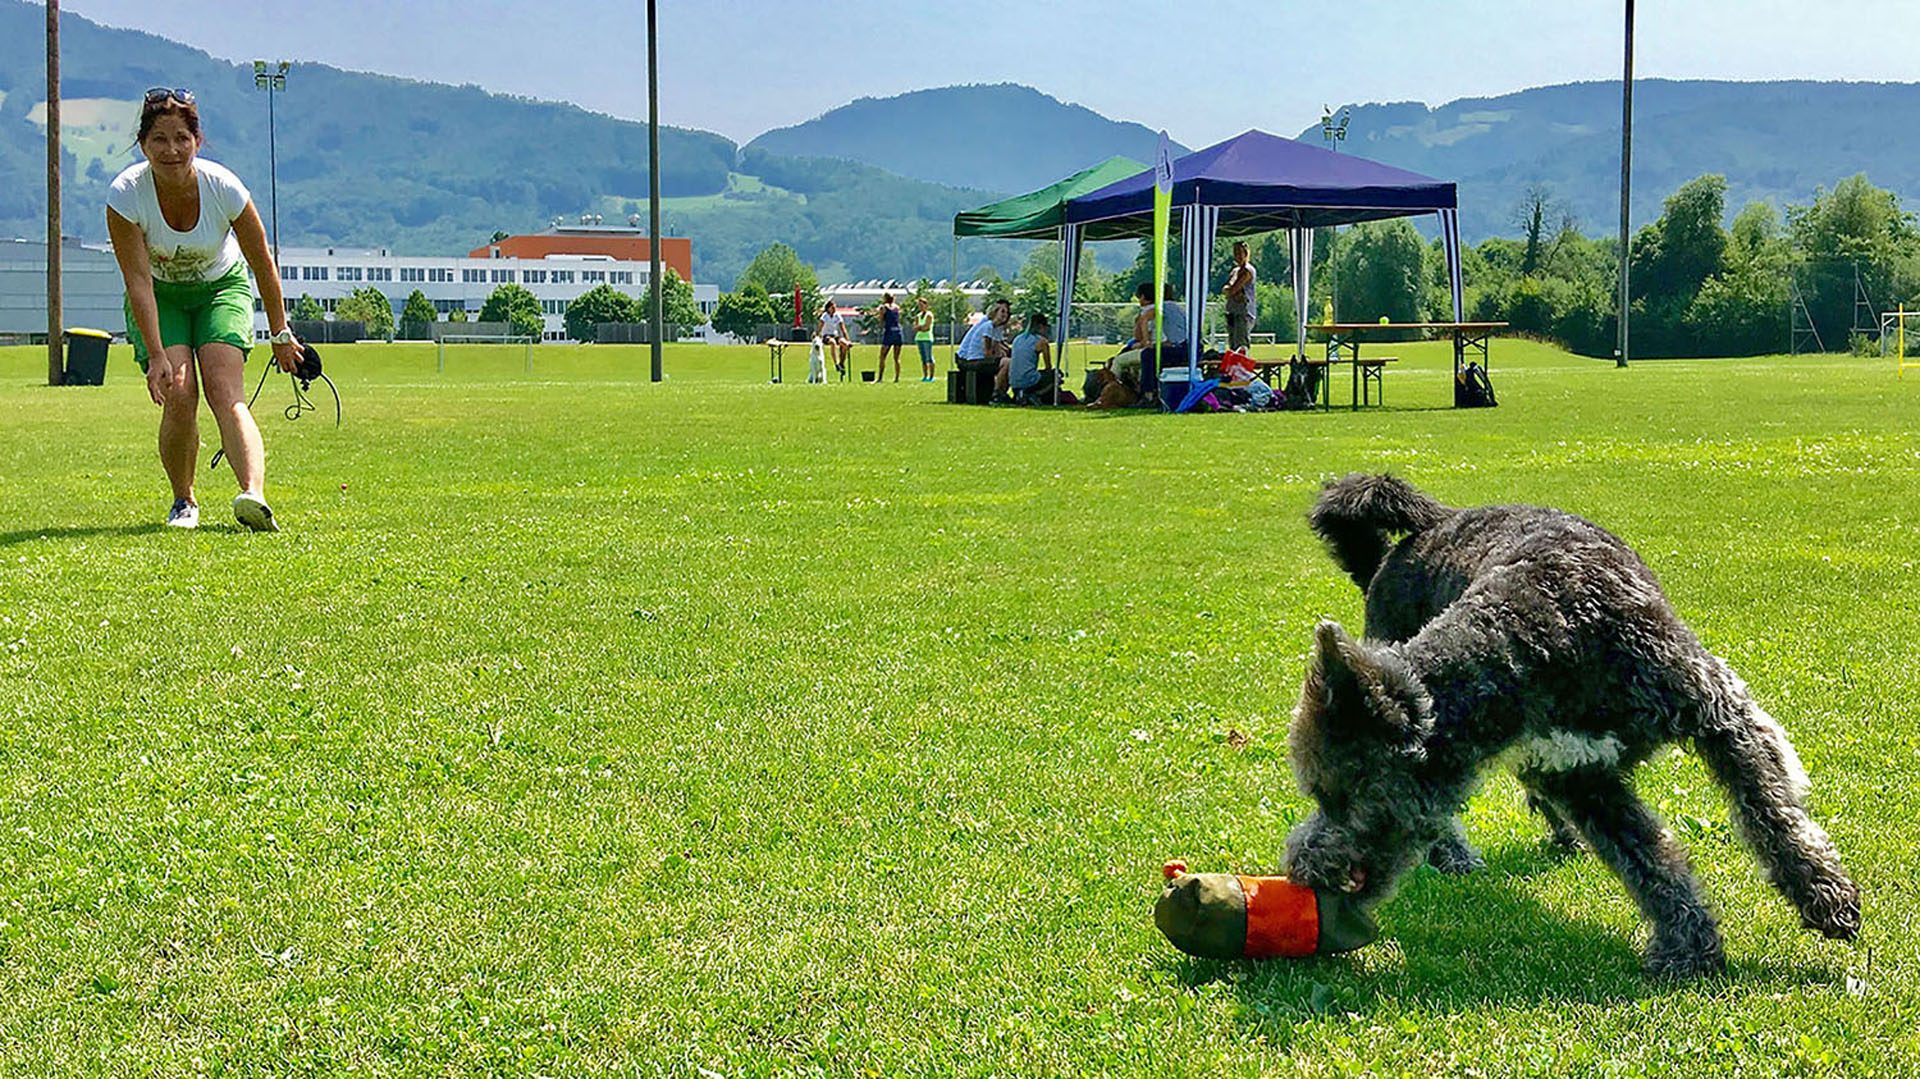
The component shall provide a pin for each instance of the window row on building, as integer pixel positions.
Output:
(442, 274)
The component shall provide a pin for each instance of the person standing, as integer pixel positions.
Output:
(833, 336)
(181, 225)
(923, 336)
(1242, 300)
(890, 337)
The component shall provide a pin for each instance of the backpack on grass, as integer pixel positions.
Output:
(1473, 389)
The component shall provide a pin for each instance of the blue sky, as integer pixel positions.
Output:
(739, 67)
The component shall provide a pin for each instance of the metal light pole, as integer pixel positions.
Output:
(1626, 185)
(273, 81)
(1333, 134)
(658, 315)
(56, 369)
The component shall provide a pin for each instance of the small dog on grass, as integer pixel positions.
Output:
(1531, 637)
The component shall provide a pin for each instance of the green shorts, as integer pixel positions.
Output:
(195, 313)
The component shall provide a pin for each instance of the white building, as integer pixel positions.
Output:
(460, 283)
(90, 289)
(93, 291)
(864, 294)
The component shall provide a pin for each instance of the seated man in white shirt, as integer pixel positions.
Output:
(986, 343)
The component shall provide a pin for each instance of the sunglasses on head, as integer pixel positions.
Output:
(158, 94)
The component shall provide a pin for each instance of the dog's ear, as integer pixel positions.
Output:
(1366, 691)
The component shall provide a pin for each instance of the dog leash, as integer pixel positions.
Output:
(302, 378)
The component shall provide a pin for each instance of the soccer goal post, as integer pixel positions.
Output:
(1894, 335)
(523, 340)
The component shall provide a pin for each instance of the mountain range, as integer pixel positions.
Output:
(1003, 137)
(868, 189)
(1774, 142)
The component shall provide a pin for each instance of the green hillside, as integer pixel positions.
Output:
(369, 160)
(967, 135)
(1774, 141)
(364, 159)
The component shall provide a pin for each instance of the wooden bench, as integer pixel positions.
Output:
(1371, 368)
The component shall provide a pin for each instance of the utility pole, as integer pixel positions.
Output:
(56, 367)
(658, 315)
(1626, 186)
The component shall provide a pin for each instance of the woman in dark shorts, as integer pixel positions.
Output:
(890, 337)
(182, 227)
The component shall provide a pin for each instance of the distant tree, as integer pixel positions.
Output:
(497, 236)
(1276, 315)
(601, 303)
(743, 311)
(1541, 220)
(1672, 258)
(1381, 265)
(1038, 291)
(514, 305)
(417, 313)
(777, 269)
(1855, 226)
(951, 308)
(368, 306)
(997, 288)
(458, 314)
(679, 308)
(308, 309)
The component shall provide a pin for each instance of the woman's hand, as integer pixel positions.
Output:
(164, 378)
(287, 356)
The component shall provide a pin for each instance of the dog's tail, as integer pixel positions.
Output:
(1358, 514)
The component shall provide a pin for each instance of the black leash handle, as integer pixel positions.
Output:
(302, 404)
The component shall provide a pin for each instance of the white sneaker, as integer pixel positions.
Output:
(184, 514)
(252, 510)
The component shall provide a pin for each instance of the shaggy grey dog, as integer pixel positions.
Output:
(1534, 638)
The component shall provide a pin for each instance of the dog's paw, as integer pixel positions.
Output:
(1567, 842)
(1684, 958)
(1835, 912)
(1456, 856)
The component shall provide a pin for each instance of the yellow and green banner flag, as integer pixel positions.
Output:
(1162, 210)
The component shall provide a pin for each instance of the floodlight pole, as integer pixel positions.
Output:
(1626, 186)
(56, 369)
(1333, 135)
(657, 317)
(273, 82)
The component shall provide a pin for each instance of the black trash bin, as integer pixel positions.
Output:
(86, 357)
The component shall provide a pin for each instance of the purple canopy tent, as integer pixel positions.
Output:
(1256, 182)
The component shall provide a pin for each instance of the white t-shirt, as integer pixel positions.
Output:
(206, 251)
(974, 345)
(831, 326)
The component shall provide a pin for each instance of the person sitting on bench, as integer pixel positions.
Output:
(1030, 373)
(986, 342)
(833, 335)
(1173, 318)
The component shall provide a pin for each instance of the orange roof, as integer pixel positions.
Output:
(675, 251)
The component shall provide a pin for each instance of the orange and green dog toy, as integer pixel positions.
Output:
(1227, 916)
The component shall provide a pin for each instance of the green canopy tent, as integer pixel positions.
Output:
(1040, 215)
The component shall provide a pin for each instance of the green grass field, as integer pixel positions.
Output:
(577, 725)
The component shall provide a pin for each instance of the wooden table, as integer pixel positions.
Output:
(1345, 336)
